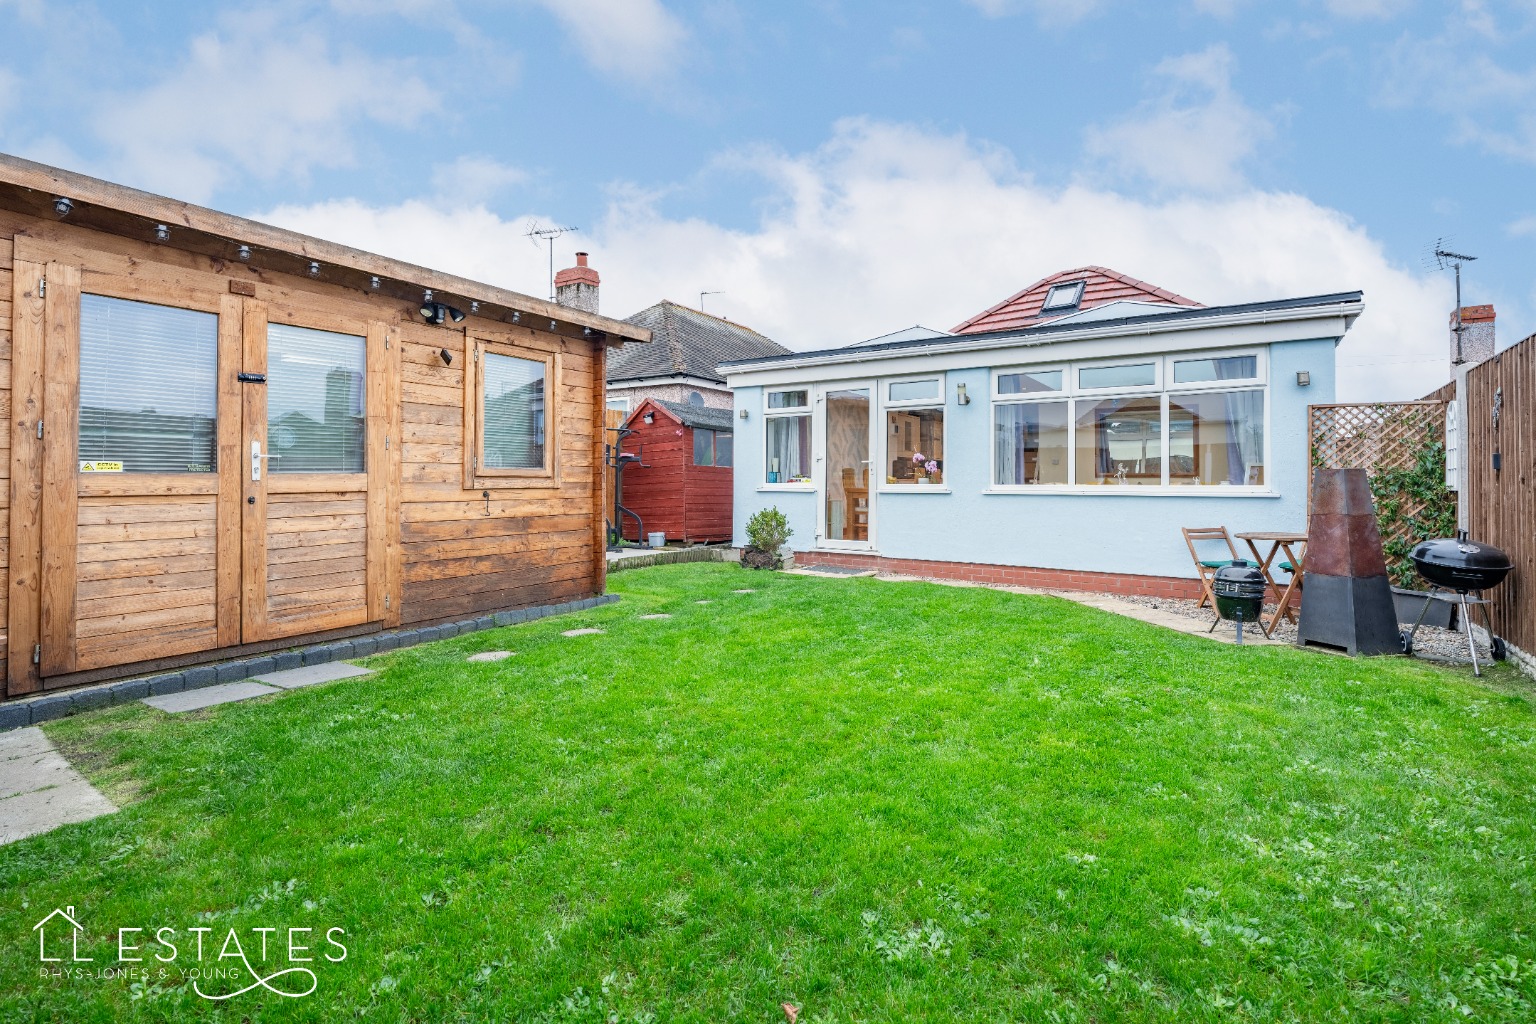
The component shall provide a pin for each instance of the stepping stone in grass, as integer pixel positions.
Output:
(747, 591)
(657, 615)
(580, 632)
(491, 656)
(705, 601)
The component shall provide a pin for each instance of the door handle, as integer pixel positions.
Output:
(256, 457)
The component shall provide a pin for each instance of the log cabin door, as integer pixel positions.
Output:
(214, 472)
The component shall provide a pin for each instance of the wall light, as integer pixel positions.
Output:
(162, 233)
(516, 316)
(62, 206)
(437, 313)
(742, 414)
(961, 396)
(314, 269)
(554, 326)
(1303, 378)
(649, 418)
(243, 254)
(446, 356)
(474, 308)
(373, 282)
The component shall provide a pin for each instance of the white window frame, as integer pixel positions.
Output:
(940, 402)
(808, 484)
(1072, 393)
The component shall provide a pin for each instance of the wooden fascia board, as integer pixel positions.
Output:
(31, 188)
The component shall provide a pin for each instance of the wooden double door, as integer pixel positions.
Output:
(214, 470)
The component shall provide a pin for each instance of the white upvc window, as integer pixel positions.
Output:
(914, 431)
(1166, 422)
(787, 428)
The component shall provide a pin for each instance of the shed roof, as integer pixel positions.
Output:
(686, 343)
(1100, 285)
(690, 415)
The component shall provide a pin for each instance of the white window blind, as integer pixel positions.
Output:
(513, 413)
(315, 415)
(148, 386)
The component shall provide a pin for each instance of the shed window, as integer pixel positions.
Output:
(315, 410)
(711, 447)
(148, 386)
(513, 414)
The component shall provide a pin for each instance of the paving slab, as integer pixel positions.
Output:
(748, 590)
(491, 656)
(309, 675)
(654, 616)
(208, 696)
(580, 632)
(707, 600)
(39, 790)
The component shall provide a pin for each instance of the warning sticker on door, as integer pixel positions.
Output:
(101, 467)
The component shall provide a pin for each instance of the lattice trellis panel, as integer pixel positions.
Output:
(1375, 437)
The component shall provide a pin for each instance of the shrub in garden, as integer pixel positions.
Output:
(767, 533)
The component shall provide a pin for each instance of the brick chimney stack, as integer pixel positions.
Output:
(1476, 336)
(577, 286)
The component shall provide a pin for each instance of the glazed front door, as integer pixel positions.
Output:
(843, 445)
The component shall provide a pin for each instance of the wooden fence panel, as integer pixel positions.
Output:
(1500, 398)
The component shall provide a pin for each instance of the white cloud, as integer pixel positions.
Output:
(1048, 12)
(1522, 228)
(258, 96)
(1196, 133)
(1361, 9)
(887, 225)
(638, 40)
(474, 180)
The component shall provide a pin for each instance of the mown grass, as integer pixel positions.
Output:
(875, 801)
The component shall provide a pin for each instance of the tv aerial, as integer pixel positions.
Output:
(535, 234)
(1441, 258)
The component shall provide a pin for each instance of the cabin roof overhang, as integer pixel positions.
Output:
(33, 189)
(1318, 316)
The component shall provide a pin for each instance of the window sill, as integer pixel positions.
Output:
(1158, 491)
(792, 488)
(913, 489)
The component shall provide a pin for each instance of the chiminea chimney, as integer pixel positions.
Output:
(577, 286)
(1476, 341)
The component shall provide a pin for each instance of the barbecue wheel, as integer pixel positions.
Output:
(1500, 651)
(1407, 639)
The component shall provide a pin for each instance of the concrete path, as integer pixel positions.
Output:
(309, 675)
(207, 697)
(39, 791)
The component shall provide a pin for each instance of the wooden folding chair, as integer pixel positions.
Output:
(1207, 567)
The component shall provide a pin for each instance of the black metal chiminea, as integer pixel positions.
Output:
(1239, 589)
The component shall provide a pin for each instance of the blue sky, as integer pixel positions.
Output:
(836, 169)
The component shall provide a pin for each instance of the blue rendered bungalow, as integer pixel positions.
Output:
(1060, 438)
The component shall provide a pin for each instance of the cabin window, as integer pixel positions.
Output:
(787, 424)
(148, 387)
(711, 447)
(315, 411)
(514, 412)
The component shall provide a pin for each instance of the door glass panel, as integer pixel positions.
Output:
(848, 464)
(314, 400)
(148, 387)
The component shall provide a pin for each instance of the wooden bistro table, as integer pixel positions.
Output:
(1278, 542)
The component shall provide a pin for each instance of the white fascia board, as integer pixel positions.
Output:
(654, 382)
(1092, 342)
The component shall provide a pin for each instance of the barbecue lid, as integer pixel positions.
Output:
(1462, 553)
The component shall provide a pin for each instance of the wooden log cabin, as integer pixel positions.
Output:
(226, 438)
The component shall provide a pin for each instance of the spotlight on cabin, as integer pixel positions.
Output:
(63, 207)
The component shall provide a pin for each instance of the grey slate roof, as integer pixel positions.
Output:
(686, 342)
(698, 415)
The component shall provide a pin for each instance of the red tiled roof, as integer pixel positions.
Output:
(1101, 285)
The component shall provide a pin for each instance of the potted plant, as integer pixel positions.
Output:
(924, 468)
(767, 533)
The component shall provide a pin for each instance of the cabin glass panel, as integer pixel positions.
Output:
(514, 412)
(148, 387)
(315, 415)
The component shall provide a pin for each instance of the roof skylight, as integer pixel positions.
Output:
(1063, 296)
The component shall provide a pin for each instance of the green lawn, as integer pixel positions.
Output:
(876, 801)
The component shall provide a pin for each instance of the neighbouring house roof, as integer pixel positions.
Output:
(686, 343)
(690, 415)
(1345, 304)
(1100, 285)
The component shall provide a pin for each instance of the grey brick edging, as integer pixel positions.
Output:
(36, 710)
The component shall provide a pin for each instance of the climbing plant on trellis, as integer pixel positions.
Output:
(1401, 445)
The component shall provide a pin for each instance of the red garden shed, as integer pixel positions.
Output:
(682, 484)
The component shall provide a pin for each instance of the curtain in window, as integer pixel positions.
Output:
(315, 418)
(789, 449)
(1245, 437)
(148, 386)
(514, 413)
